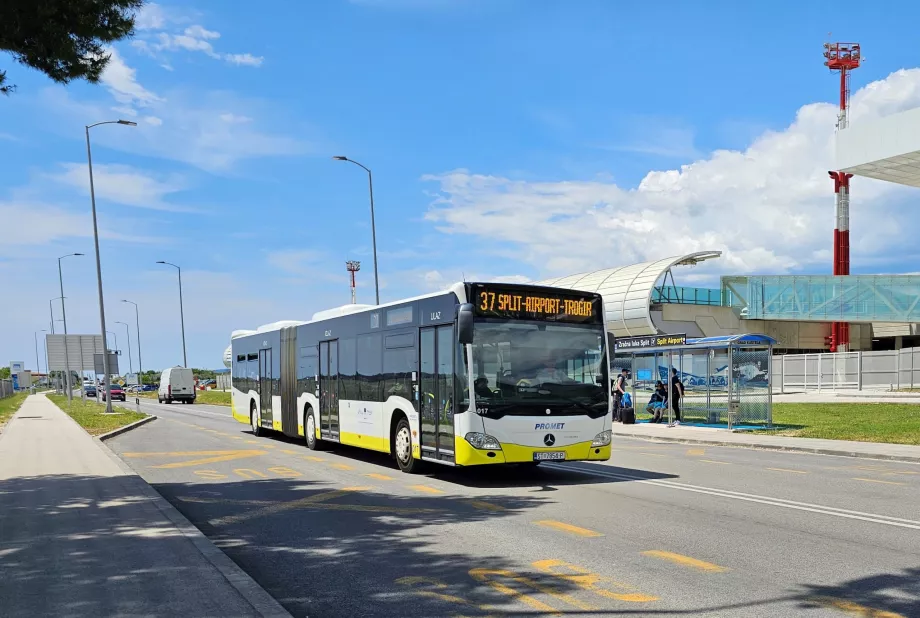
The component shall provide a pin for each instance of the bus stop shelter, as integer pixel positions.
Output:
(726, 379)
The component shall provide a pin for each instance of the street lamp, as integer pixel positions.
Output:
(370, 184)
(92, 197)
(140, 363)
(181, 310)
(115, 339)
(38, 365)
(51, 309)
(64, 315)
(128, 332)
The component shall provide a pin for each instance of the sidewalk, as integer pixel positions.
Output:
(724, 437)
(82, 535)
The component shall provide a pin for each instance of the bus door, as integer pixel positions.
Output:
(329, 389)
(265, 386)
(436, 389)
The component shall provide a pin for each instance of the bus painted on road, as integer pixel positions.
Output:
(482, 373)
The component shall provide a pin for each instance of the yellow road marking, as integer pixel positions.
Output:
(213, 475)
(288, 473)
(247, 473)
(307, 457)
(338, 466)
(586, 579)
(379, 477)
(248, 441)
(902, 472)
(696, 451)
(279, 507)
(856, 478)
(724, 463)
(426, 489)
(485, 576)
(286, 451)
(486, 506)
(788, 470)
(210, 457)
(640, 452)
(198, 500)
(558, 525)
(686, 561)
(436, 585)
(855, 609)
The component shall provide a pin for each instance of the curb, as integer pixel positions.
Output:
(262, 602)
(126, 428)
(774, 447)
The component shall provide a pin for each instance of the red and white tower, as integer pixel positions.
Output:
(843, 57)
(352, 267)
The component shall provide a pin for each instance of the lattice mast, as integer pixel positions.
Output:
(352, 267)
(842, 57)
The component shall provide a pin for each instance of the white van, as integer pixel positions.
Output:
(176, 384)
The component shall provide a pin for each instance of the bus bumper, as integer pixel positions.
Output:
(467, 455)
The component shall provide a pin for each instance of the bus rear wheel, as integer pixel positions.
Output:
(402, 447)
(254, 419)
(309, 431)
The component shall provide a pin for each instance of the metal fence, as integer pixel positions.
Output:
(889, 370)
(223, 381)
(6, 388)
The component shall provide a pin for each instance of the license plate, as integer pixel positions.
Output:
(549, 456)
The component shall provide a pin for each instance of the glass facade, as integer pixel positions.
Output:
(826, 298)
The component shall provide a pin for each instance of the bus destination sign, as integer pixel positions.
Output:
(538, 304)
(650, 341)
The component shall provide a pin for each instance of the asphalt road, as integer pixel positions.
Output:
(661, 529)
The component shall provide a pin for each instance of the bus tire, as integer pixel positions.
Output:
(309, 430)
(253, 422)
(402, 447)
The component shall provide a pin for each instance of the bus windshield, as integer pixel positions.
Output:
(525, 368)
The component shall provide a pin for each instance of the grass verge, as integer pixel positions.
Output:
(9, 405)
(895, 423)
(90, 415)
(214, 398)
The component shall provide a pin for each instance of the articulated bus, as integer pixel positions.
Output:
(483, 373)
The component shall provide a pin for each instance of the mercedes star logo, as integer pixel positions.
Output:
(549, 439)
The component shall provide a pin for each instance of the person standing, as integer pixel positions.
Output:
(676, 394)
(618, 391)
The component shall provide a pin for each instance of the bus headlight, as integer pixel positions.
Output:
(483, 441)
(601, 439)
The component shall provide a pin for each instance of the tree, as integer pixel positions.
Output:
(4, 373)
(64, 39)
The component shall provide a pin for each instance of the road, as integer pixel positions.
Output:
(661, 529)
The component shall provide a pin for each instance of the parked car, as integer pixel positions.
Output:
(176, 384)
(117, 392)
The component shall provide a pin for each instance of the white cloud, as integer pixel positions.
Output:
(120, 79)
(769, 208)
(153, 120)
(234, 118)
(150, 17)
(195, 38)
(244, 59)
(123, 184)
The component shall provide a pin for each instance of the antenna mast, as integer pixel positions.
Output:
(842, 57)
(352, 267)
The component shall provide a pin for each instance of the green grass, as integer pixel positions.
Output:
(214, 398)
(896, 423)
(90, 415)
(9, 405)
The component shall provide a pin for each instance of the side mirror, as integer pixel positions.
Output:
(465, 324)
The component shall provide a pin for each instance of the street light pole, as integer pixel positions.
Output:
(370, 185)
(181, 311)
(128, 332)
(140, 363)
(115, 339)
(64, 315)
(38, 365)
(92, 197)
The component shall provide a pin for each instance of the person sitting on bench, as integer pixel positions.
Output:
(658, 402)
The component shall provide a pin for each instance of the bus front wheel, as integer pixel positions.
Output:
(402, 446)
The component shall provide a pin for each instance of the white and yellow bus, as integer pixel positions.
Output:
(483, 373)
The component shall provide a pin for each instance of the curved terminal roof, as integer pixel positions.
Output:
(627, 290)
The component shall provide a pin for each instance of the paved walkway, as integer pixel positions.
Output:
(723, 437)
(82, 535)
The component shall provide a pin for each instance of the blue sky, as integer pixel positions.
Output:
(508, 138)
